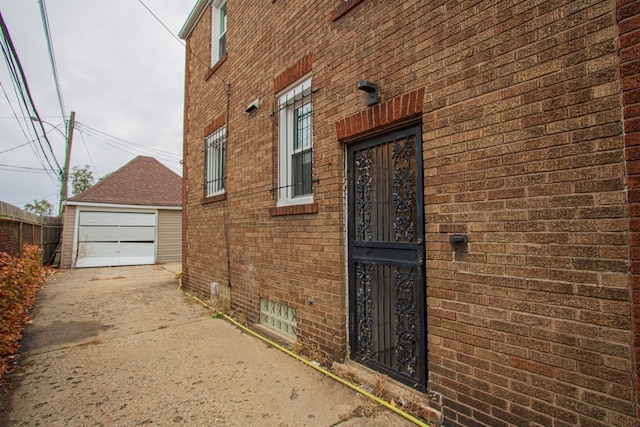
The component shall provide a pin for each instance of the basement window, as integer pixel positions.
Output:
(278, 317)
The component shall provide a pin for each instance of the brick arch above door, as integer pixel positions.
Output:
(397, 110)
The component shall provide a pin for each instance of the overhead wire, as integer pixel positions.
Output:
(14, 168)
(180, 41)
(45, 154)
(52, 58)
(21, 88)
(86, 148)
(160, 21)
(124, 144)
(129, 147)
(52, 174)
(15, 115)
(19, 78)
(16, 147)
(29, 201)
(22, 145)
(16, 83)
(191, 52)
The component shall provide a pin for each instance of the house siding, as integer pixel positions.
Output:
(169, 243)
(524, 152)
(68, 233)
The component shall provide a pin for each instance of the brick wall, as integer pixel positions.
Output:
(629, 45)
(529, 323)
(185, 169)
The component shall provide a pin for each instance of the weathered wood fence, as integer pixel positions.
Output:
(18, 227)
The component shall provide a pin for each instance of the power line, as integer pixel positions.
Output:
(179, 40)
(123, 147)
(52, 59)
(14, 168)
(29, 201)
(123, 144)
(35, 151)
(15, 115)
(21, 85)
(126, 146)
(86, 148)
(16, 147)
(19, 79)
(160, 21)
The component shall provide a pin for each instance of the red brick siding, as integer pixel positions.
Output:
(629, 44)
(381, 116)
(215, 125)
(185, 169)
(289, 76)
(530, 323)
(343, 8)
(310, 208)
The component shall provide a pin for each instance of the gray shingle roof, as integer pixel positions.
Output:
(143, 181)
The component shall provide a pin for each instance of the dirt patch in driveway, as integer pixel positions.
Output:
(121, 346)
(58, 333)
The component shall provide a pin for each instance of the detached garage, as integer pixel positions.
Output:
(131, 217)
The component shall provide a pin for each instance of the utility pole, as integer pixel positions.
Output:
(67, 155)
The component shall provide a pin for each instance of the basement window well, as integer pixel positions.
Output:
(278, 317)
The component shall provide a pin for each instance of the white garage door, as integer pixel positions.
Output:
(115, 238)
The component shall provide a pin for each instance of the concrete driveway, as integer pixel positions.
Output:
(122, 347)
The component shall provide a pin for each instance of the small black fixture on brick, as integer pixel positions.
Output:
(371, 90)
(458, 239)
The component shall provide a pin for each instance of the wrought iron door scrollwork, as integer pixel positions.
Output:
(364, 309)
(363, 195)
(403, 192)
(405, 321)
(386, 275)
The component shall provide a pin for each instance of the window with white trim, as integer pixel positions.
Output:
(218, 30)
(295, 147)
(214, 148)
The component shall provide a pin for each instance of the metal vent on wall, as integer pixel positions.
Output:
(278, 317)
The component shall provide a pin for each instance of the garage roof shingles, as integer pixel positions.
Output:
(143, 181)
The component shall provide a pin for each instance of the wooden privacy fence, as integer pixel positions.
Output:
(18, 227)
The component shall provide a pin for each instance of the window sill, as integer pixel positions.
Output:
(212, 199)
(309, 208)
(217, 65)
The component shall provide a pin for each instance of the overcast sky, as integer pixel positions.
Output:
(119, 70)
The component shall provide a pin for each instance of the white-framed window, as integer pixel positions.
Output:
(218, 30)
(295, 146)
(214, 149)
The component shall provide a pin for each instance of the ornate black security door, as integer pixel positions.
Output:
(386, 255)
